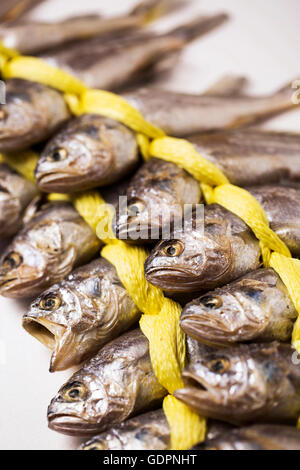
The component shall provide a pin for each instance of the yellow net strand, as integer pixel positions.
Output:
(22, 162)
(160, 320)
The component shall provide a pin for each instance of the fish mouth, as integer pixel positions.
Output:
(166, 277)
(6, 285)
(43, 330)
(51, 335)
(134, 233)
(204, 399)
(197, 396)
(71, 425)
(199, 329)
(54, 181)
(15, 288)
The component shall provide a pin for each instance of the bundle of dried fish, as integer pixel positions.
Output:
(94, 151)
(157, 193)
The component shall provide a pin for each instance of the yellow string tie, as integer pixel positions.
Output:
(23, 162)
(160, 322)
(184, 154)
(36, 70)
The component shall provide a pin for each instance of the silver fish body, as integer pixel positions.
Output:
(15, 194)
(242, 384)
(259, 437)
(250, 157)
(82, 313)
(256, 307)
(116, 64)
(156, 196)
(204, 254)
(32, 37)
(54, 241)
(114, 385)
(182, 115)
(31, 114)
(149, 431)
(145, 432)
(90, 151)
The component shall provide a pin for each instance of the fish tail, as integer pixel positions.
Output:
(199, 26)
(150, 10)
(228, 85)
(285, 97)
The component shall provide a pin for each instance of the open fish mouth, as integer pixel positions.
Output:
(43, 330)
(197, 393)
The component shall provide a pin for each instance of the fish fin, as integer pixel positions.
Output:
(150, 10)
(276, 104)
(229, 85)
(69, 259)
(198, 27)
(33, 208)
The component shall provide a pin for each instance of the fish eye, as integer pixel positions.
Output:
(12, 260)
(94, 446)
(173, 248)
(219, 365)
(212, 301)
(135, 208)
(76, 391)
(50, 302)
(58, 154)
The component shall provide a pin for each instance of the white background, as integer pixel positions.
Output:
(261, 42)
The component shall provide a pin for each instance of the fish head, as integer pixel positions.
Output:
(51, 319)
(225, 384)
(227, 315)
(147, 216)
(35, 258)
(83, 155)
(75, 317)
(79, 405)
(21, 267)
(192, 259)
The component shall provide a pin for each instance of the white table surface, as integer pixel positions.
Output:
(261, 42)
